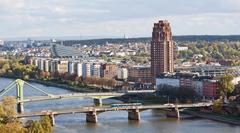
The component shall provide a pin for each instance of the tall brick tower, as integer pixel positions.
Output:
(161, 49)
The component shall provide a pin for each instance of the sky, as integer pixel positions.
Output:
(114, 18)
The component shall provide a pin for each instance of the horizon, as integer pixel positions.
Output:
(104, 18)
(41, 38)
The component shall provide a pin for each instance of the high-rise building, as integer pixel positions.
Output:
(71, 67)
(96, 68)
(161, 49)
(79, 69)
(46, 65)
(41, 64)
(86, 70)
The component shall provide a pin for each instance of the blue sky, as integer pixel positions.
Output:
(135, 18)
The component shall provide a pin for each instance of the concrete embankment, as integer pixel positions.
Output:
(219, 118)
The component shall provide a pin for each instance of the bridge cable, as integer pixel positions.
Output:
(8, 88)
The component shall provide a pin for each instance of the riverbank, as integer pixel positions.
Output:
(215, 117)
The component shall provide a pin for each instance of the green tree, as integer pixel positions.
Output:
(225, 84)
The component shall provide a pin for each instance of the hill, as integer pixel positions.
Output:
(191, 38)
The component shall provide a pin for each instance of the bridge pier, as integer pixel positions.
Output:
(52, 118)
(97, 102)
(173, 113)
(20, 108)
(91, 117)
(134, 114)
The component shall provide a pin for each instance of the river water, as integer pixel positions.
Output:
(152, 121)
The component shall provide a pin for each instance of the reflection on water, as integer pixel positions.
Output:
(152, 121)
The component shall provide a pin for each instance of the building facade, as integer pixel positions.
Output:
(62, 66)
(122, 74)
(71, 67)
(161, 49)
(79, 69)
(201, 85)
(210, 88)
(86, 71)
(96, 69)
(46, 65)
(141, 74)
(109, 71)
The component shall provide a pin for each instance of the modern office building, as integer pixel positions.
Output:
(161, 49)
(62, 51)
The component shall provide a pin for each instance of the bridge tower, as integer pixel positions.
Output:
(19, 91)
(19, 84)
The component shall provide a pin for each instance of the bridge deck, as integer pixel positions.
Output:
(109, 108)
(73, 95)
(98, 95)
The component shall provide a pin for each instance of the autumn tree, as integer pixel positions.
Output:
(8, 120)
(36, 127)
(46, 124)
(225, 85)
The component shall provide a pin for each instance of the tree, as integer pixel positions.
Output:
(8, 121)
(225, 84)
(217, 106)
(15, 127)
(36, 127)
(46, 124)
(7, 110)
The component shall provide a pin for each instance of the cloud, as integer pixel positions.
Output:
(117, 17)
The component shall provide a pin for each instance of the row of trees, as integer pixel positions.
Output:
(74, 80)
(16, 69)
(9, 123)
(213, 50)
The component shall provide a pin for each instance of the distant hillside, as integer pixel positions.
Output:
(209, 38)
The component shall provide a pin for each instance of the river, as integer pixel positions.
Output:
(152, 121)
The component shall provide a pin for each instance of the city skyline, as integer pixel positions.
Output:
(107, 18)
